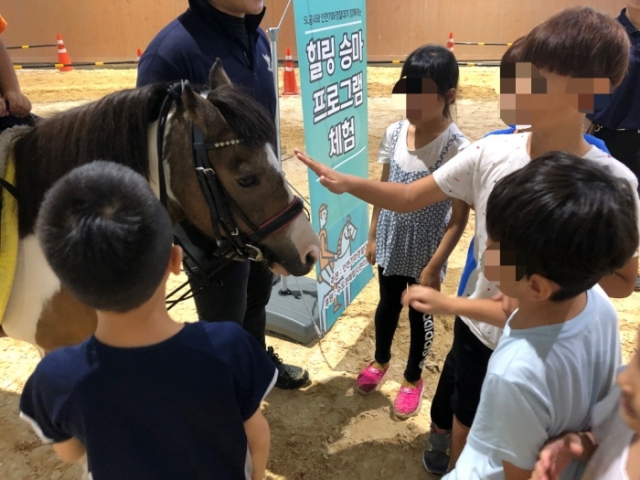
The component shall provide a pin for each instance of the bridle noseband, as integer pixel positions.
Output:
(232, 243)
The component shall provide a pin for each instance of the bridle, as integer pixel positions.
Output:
(232, 243)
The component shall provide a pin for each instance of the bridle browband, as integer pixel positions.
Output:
(232, 243)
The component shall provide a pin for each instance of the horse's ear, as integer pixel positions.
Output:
(199, 108)
(217, 75)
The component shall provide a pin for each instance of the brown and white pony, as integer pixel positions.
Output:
(121, 128)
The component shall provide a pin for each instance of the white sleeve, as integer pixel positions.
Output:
(456, 177)
(384, 152)
(511, 423)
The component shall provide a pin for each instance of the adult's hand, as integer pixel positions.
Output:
(330, 179)
(19, 105)
(3, 108)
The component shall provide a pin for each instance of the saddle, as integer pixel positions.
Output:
(8, 216)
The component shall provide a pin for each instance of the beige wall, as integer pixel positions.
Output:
(108, 30)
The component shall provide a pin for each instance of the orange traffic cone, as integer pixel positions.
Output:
(138, 54)
(451, 43)
(290, 85)
(63, 56)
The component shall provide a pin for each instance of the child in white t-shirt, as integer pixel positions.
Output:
(613, 444)
(412, 248)
(555, 228)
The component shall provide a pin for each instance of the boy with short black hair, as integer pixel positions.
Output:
(556, 227)
(145, 396)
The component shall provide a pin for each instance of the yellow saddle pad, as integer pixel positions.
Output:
(8, 238)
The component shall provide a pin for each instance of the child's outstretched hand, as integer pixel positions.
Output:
(19, 105)
(330, 179)
(426, 300)
(556, 455)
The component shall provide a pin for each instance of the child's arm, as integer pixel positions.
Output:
(259, 440)
(397, 197)
(556, 455)
(621, 283)
(373, 228)
(511, 472)
(430, 275)
(19, 105)
(70, 450)
(428, 300)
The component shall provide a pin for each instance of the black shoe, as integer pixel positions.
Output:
(290, 377)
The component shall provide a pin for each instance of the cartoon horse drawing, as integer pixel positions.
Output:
(325, 286)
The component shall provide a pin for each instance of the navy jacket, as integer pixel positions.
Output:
(624, 109)
(189, 45)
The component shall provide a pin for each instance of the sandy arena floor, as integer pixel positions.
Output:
(325, 431)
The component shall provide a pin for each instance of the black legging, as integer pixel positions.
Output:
(386, 321)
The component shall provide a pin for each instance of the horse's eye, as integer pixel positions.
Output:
(247, 182)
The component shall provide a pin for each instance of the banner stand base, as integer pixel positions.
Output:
(287, 314)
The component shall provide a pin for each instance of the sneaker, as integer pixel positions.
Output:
(436, 458)
(369, 379)
(290, 377)
(408, 401)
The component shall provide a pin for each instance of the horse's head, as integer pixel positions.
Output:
(237, 133)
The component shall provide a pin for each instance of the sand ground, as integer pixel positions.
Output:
(326, 430)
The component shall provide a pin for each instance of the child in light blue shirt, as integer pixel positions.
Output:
(556, 227)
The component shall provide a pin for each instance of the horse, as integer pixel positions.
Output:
(226, 131)
(325, 286)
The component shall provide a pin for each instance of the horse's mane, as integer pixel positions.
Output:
(114, 128)
(247, 119)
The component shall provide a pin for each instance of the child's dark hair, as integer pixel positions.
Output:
(579, 42)
(106, 236)
(568, 219)
(437, 63)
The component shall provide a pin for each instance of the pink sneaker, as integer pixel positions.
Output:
(369, 379)
(408, 401)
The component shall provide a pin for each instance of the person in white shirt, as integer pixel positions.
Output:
(565, 61)
(612, 447)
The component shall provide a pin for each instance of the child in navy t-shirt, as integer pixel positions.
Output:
(145, 397)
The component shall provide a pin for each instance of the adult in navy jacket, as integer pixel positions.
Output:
(186, 49)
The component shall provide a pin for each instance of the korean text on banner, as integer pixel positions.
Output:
(331, 39)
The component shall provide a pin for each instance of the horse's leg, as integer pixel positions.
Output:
(64, 321)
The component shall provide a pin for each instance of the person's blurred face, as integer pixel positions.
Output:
(418, 99)
(528, 94)
(629, 381)
(238, 8)
(500, 266)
